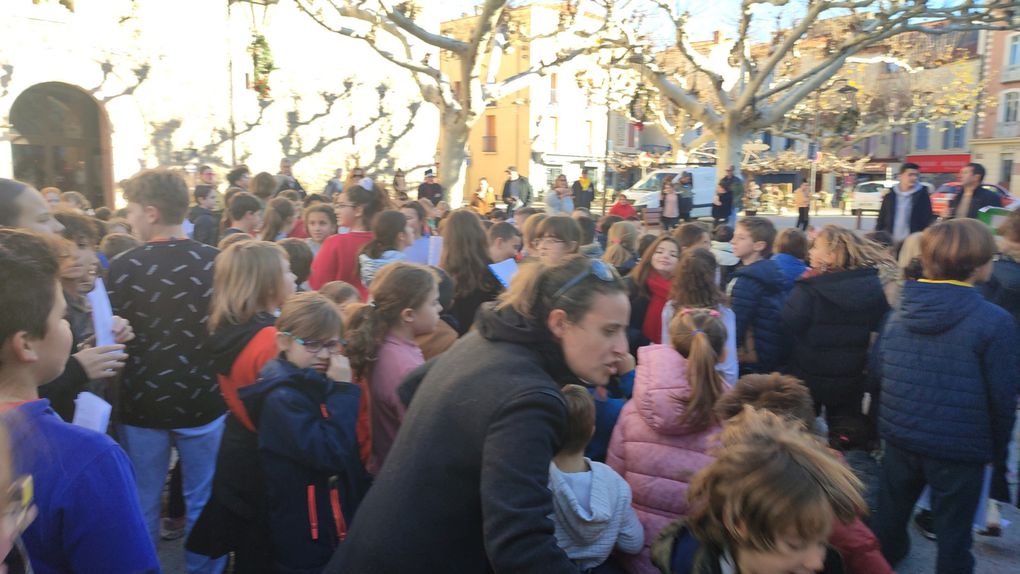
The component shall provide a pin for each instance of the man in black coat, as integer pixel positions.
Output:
(516, 191)
(907, 208)
(584, 191)
(430, 190)
(974, 196)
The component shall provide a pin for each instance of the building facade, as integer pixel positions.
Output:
(551, 126)
(94, 90)
(997, 145)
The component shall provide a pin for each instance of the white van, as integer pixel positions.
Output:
(646, 192)
(868, 195)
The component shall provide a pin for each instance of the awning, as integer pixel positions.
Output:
(945, 163)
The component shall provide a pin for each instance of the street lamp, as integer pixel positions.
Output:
(849, 93)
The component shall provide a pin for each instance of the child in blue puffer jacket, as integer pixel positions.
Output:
(948, 365)
(307, 438)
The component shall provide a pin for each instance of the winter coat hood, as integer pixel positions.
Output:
(791, 267)
(931, 308)
(661, 389)
(851, 291)
(766, 272)
(280, 372)
(584, 527)
(228, 341)
(197, 212)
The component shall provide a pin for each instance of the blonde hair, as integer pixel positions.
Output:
(851, 251)
(910, 250)
(340, 292)
(248, 280)
(396, 287)
(622, 243)
(770, 477)
(529, 230)
(700, 336)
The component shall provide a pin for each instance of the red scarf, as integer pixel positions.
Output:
(658, 288)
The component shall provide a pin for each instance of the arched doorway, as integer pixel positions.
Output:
(61, 139)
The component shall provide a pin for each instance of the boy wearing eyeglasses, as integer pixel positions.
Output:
(81, 483)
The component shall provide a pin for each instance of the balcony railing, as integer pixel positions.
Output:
(489, 144)
(1007, 130)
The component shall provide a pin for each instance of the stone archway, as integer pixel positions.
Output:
(61, 138)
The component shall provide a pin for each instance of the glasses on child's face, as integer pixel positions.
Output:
(550, 240)
(334, 346)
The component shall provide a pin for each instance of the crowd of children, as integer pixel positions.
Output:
(553, 393)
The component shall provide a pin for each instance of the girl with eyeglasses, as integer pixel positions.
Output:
(557, 237)
(483, 423)
(338, 258)
(308, 447)
(381, 347)
(251, 281)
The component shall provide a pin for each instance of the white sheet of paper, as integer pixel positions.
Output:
(102, 314)
(418, 252)
(435, 249)
(504, 271)
(91, 412)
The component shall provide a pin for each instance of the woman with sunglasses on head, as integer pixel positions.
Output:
(381, 347)
(251, 281)
(338, 258)
(308, 450)
(483, 423)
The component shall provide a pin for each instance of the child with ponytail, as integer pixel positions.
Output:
(337, 260)
(621, 250)
(663, 436)
(381, 348)
(391, 235)
(279, 219)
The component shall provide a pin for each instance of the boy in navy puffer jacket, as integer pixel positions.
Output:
(757, 295)
(948, 365)
(307, 439)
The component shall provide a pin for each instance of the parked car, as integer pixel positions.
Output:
(867, 195)
(646, 192)
(947, 191)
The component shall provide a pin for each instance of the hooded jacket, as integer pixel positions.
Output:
(948, 362)
(1003, 288)
(831, 318)
(588, 530)
(207, 225)
(919, 218)
(791, 267)
(653, 449)
(308, 454)
(757, 298)
(239, 353)
(477, 498)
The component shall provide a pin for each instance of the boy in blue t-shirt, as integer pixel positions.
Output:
(83, 484)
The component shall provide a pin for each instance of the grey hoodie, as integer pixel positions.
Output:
(589, 530)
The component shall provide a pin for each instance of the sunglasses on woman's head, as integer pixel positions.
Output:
(599, 269)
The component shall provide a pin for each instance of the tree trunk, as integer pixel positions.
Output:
(729, 150)
(452, 160)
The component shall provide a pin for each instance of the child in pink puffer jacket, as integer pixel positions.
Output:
(663, 434)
